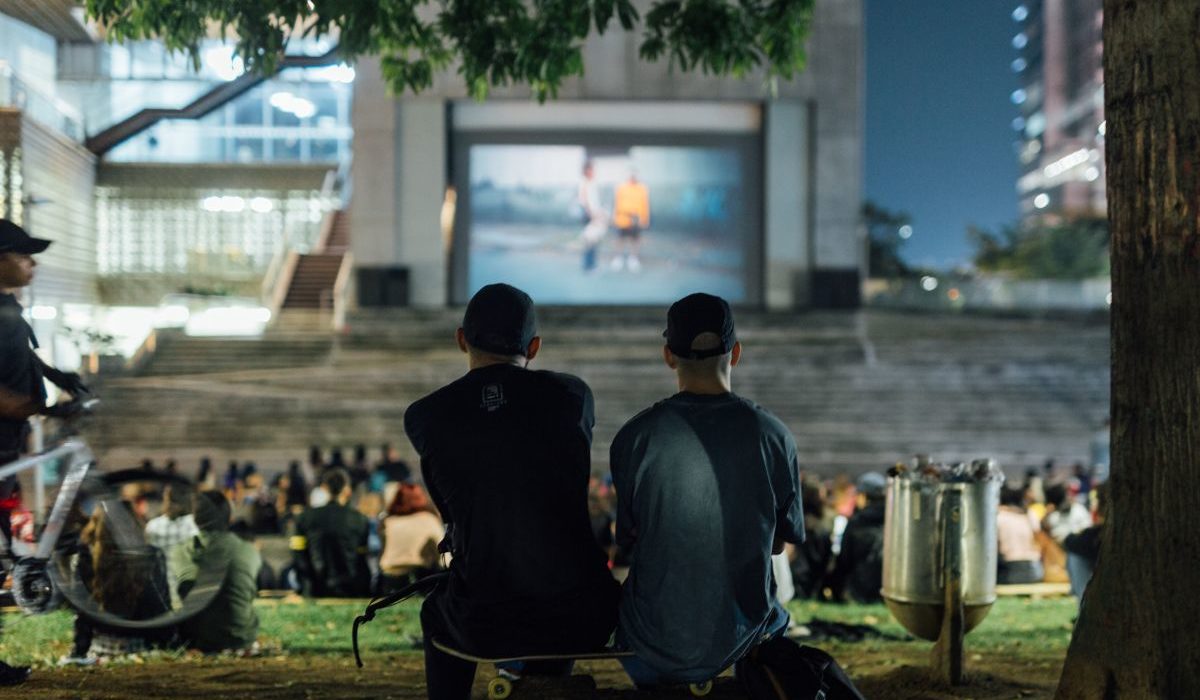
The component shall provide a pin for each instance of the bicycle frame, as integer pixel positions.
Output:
(80, 461)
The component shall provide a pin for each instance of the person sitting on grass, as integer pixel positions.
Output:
(126, 578)
(229, 622)
(1020, 559)
(412, 531)
(329, 547)
(506, 455)
(858, 572)
(707, 489)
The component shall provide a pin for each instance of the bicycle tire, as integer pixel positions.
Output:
(103, 490)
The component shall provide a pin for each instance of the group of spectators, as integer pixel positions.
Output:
(343, 542)
(1049, 526)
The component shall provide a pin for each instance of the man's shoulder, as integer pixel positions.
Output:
(568, 383)
(768, 422)
(644, 420)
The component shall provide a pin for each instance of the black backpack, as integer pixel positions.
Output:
(781, 669)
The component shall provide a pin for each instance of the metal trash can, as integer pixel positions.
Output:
(915, 550)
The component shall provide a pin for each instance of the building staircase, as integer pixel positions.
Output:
(315, 275)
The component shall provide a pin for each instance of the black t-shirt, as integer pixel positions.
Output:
(506, 456)
(20, 369)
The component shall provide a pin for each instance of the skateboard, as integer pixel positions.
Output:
(501, 685)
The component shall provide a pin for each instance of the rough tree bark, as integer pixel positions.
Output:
(1138, 634)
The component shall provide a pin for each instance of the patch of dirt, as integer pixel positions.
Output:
(883, 672)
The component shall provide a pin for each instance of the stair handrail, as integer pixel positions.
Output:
(287, 272)
(326, 231)
(343, 291)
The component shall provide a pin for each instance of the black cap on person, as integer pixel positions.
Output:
(500, 319)
(14, 239)
(696, 314)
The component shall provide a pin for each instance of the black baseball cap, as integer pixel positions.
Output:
(500, 319)
(696, 314)
(13, 239)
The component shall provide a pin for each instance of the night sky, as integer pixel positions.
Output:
(938, 134)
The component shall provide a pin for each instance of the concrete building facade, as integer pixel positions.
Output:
(807, 139)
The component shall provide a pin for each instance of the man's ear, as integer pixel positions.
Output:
(669, 358)
(532, 351)
(462, 339)
(737, 354)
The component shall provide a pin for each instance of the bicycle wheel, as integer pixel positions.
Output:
(103, 566)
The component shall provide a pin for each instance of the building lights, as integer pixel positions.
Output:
(1019, 64)
(227, 204)
(1020, 13)
(1019, 41)
(221, 61)
(1062, 165)
(297, 106)
(906, 232)
(341, 73)
(261, 205)
(1091, 174)
(1018, 96)
(929, 283)
(1041, 201)
(1018, 124)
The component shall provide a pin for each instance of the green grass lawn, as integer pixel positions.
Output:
(1017, 627)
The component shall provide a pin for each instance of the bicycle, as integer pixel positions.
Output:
(56, 572)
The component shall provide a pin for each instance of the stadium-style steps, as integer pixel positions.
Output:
(858, 390)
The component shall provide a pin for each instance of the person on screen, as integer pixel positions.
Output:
(631, 215)
(595, 217)
(506, 456)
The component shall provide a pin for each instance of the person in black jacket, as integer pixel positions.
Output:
(22, 390)
(329, 548)
(506, 456)
(858, 573)
(811, 559)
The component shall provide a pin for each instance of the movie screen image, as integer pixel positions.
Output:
(611, 225)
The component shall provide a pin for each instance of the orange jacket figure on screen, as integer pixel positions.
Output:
(632, 206)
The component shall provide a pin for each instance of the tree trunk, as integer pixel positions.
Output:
(1138, 634)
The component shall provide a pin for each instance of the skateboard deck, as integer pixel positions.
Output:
(501, 686)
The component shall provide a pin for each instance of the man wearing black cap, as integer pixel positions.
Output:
(505, 454)
(707, 489)
(22, 393)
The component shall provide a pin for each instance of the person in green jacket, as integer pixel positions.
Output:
(229, 622)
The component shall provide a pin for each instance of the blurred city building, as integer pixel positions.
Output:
(1060, 125)
(195, 197)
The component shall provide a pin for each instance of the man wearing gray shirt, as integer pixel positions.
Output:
(707, 488)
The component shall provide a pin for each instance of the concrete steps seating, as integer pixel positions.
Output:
(858, 390)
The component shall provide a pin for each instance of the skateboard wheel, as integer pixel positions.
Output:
(700, 689)
(499, 688)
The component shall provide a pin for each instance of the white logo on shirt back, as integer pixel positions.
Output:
(493, 397)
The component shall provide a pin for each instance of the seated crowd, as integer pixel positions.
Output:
(704, 529)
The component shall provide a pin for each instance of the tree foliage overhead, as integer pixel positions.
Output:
(491, 42)
(1071, 249)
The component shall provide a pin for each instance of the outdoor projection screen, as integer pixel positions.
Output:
(608, 203)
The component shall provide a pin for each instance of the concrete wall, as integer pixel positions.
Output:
(60, 177)
(813, 144)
